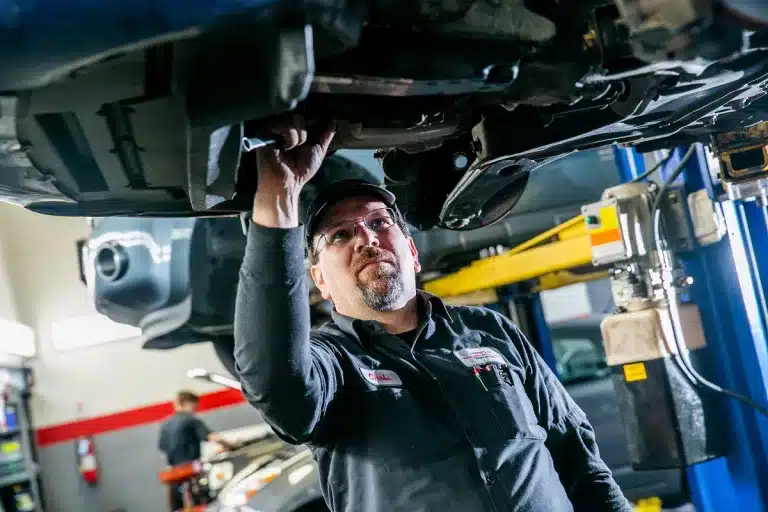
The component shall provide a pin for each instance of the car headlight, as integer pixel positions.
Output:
(243, 491)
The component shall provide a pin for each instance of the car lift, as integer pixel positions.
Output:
(726, 264)
(546, 257)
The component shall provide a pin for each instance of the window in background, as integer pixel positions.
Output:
(567, 302)
(579, 358)
(17, 339)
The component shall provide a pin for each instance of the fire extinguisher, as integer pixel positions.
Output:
(87, 464)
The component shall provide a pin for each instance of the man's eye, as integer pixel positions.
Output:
(340, 236)
(380, 223)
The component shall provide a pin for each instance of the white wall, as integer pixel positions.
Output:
(9, 318)
(42, 270)
(8, 309)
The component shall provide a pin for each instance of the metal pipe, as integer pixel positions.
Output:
(255, 143)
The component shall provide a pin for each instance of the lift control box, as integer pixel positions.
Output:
(615, 224)
(602, 220)
(669, 421)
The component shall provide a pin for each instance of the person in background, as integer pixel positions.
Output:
(181, 436)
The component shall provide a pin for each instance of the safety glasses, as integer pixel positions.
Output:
(341, 233)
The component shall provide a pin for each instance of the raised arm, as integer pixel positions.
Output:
(286, 376)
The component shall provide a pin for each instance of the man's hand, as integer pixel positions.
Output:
(284, 172)
(223, 443)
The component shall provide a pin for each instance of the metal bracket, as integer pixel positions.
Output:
(743, 157)
(494, 182)
(677, 226)
(706, 218)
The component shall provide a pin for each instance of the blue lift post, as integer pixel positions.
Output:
(541, 337)
(728, 289)
(629, 163)
(546, 347)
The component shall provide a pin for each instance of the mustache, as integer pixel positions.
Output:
(372, 255)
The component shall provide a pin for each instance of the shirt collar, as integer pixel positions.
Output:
(360, 328)
(438, 306)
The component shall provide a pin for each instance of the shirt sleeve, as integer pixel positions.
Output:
(570, 438)
(200, 429)
(162, 440)
(289, 377)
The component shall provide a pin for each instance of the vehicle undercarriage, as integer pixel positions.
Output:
(462, 99)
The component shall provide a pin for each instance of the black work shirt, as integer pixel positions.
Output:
(466, 417)
(180, 438)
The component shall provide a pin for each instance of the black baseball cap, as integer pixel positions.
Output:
(344, 189)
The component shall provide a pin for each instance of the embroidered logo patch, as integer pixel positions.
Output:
(471, 357)
(381, 377)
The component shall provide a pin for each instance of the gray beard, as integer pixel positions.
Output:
(384, 291)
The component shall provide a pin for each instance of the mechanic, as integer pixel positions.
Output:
(181, 436)
(407, 403)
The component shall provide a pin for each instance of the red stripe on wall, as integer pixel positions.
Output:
(130, 418)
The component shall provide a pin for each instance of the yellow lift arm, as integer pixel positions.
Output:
(546, 257)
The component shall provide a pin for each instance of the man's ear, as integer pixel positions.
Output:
(415, 254)
(317, 277)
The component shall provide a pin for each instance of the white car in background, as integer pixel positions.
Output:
(278, 478)
(287, 483)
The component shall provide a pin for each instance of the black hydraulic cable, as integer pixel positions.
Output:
(654, 168)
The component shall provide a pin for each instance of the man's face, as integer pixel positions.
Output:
(190, 407)
(374, 267)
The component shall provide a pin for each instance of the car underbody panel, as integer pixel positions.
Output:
(140, 110)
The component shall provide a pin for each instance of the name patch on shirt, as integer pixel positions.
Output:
(471, 357)
(381, 377)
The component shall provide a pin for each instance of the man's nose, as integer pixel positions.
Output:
(365, 237)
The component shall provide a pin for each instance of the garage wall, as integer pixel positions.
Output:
(8, 317)
(87, 386)
(7, 300)
(128, 477)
